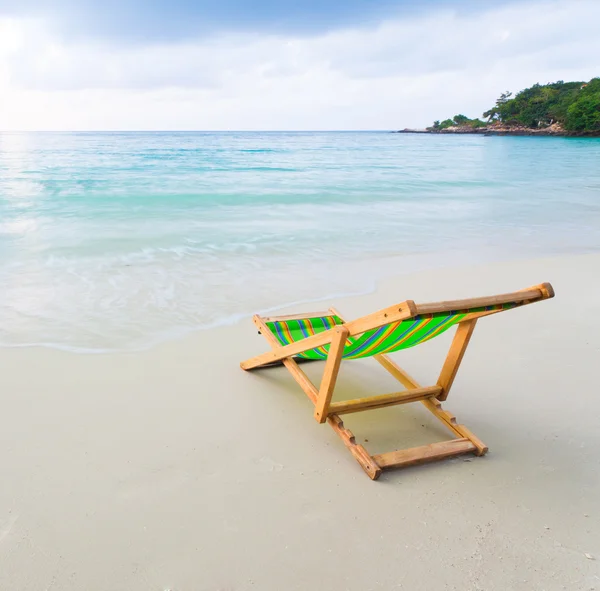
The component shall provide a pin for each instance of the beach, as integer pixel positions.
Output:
(299, 296)
(171, 468)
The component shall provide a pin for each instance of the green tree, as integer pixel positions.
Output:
(584, 113)
(494, 112)
(538, 105)
(461, 120)
(592, 86)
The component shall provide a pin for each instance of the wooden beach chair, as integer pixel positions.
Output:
(327, 336)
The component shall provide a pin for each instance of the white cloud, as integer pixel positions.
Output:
(401, 73)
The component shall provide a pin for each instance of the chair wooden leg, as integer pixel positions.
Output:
(367, 463)
(332, 368)
(407, 381)
(449, 421)
(455, 355)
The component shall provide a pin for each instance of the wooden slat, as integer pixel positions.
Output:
(449, 420)
(402, 311)
(290, 350)
(298, 360)
(332, 368)
(297, 316)
(476, 315)
(383, 400)
(406, 380)
(532, 293)
(358, 451)
(455, 356)
(335, 312)
(546, 289)
(303, 380)
(425, 453)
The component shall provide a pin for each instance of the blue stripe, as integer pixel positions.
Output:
(280, 334)
(373, 337)
(452, 314)
(303, 330)
(422, 339)
(306, 335)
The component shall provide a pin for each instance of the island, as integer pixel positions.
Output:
(555, 109)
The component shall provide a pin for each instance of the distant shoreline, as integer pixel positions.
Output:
(495, 130)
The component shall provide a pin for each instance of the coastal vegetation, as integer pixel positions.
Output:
(558, 108)
(458, 121)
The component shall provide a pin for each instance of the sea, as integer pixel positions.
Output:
(119, 241)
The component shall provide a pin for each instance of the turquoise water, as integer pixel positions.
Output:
(114, 241)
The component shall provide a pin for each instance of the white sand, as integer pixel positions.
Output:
(173, 469)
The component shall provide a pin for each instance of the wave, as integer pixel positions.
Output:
(155, 340)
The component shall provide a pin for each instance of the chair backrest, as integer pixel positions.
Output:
(402, 326)
(299, 328)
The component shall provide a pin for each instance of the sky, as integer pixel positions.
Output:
(280, 64)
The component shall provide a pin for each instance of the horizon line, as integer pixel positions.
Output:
(197, 130)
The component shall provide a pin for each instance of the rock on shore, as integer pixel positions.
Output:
(499, 129)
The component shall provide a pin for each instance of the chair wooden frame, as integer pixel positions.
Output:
(431, 396)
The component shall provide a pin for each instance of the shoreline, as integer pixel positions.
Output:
(487, 131)
(369, 269)
(152, 469)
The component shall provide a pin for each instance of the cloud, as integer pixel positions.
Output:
(401, 72)
(138, 21)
